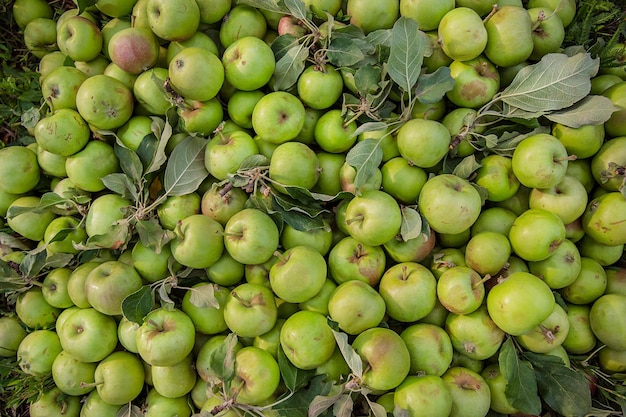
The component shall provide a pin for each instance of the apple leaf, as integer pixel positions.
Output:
(203, 296)
(344, 405)
(10, 280)
(121, 184)
(129, 161)
(282, 44)
(297, 218)
(466, 167)
(323, 403)
(380, 37)
(84, 4)
(129, 410)
(151, 149)
(290, 66)
(365, 157)
(554, 83)
(297, 404)
(185, 168)
(370, 127)
(521, 388)
(344, 51)
(564, 389)
(293, 377)
(354, 361)
(592, 110)
(152, 234)
(137, 305)
(433, 87)
(406, 53)
(296, 8)
(377, 409)
(254, 161)
(366, 79)
(269, 5)
(222, 359)
(411, 226)
(46, 201)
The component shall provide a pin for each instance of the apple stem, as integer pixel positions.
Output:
(236, 296)
(494, 9)
(540, 18)
(482, 281)
(156, 325)
(280, 256)
(358, 218)
(227, 187)
(568, 158)
(548, 333)
(90, 384)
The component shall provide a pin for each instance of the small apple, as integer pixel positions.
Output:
(460, 290)
(471, 396)
(60, 85)
(373, 218)
(88, 335)
(242, 21)
(425, 395)
(173, 21)
(248, 63)
(561, 268)
(456, 27)
(278, 117)
(104, 102)
(409, 290)
(307, 339)
(371, 16)
(429, 347)
(475, 334)
(166, 337)
(536, 234)
(199, 243)
(37, 351)
(24, 11)
(69, 374)
(119, 378)
(476, 81)
(40, 36)
(251, 236)
(134, 49)
(332, 133)
(589, 285)
(540, 161)
(108, 284)
(257, 376)
(509, 36)
(79, 38)
(34, 311)
(18, 159)
(176, 380)
(250, 310)
(423, 143)
(356, 307)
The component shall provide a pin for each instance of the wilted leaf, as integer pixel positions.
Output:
(115, 238)
(321, 403)
(411, 226)
(203, 296)
(406, 54)
(433, 87)
(565, 390)
(354, 361)
(293, 377)
(344, 406)
(137, 305)
(185, 168)
(269, 5)
(222, 360)
(554, 83)
(592, 110)
(521, 388)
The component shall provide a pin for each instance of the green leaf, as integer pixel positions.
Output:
(344, 52)
(592, 110)
(433, 87)
(282, 44)
(365, 157)
(289, 67)
(380, 37)
(466, 167)
(136, 306)
(203, 296)
(129, 162)
(254, 161)
(411, 226)
(367, 78)
(321, 403)
(46, 201)
(222, 360)
(406, 54)
(153, 154)
(354, 361)
(152, 234)
(293, 377)
(521, 388)
(564, 389)
(85, 4)
(299, 403)
(121, 184)
(185, 168)
(296, 8)
(116, 238)
(269, 5)
(33, 262)
(554, 83)
(371, 127)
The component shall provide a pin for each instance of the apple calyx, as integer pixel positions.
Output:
(467, 382)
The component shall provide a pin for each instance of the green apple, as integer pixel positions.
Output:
(496, 175)
(509, 36)
(149, 92)
(104, 102)
(294, 164)
(589, 285)
(40, 36)
(604, 320)
(567, 199)
(476, 82)
(76, 283)
(166, 337)
(37, 351)
(173, 21)
(88, 335)
(607, 164)
(565, 9)
(199, 242)
(497, 384)
(60, 85)
(55, 403)
(605, 255)
(34, 311)
(460, 290)
(475, 334)
(54, 287)
(319, 87)
(456, 27)
(487, 252)
(548, 32)
(12, 333)
(427, 14)
(603, 219)
(251, 236)
(550, 333)
(63, 133)
(356, 307)
(250, 310)
(104, 212)
(580, 338)
(429, 347)
(30, 224)
(278, 117)
(108, 284)
(303, 262)
(471, 396)
(320, 239)
(94, 406)
(248, 63)
(70, 374)
(307, 339)
(373, 218)
(79, 38)
(242, 21)
(185, 68)
(409, 290)
(402, 180)
(159, 405)
(134, 49)
(176, 380)
(177, 208)
(562, 268)
(371, 16)
(208, 319)
(24, 11)
(119, 378)
(18, 159)
(423, 142)
(225, 152)
(257, 376)
(536, 234)
(422, 396)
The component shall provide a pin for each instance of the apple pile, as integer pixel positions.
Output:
(316, 208)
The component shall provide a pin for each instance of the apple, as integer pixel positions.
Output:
(119, 378)
(319, 302)
(221, 203)
(604, 321)
(307, 340)
(549, 334)
(496, 175)
(293, 164)
(60, 85)
(79, 38)
(303, 262)
(332, 133)
(24, 11)
(373, 218)
(565, 9)
(475, 334)
(371, 16)
(580, 338)
(134, 49)
(173, 21)
(212, 11)
(149, 91)
(94, 67)
(487, 252)
(225, 152)
(208, 319)
(104, 212)
(548, 31)
(509, 36)
(429, 347)
(176, 380)
(248, 63)
(605, 255)
(54, 287)
(94, 406)
(423, 142)
(166, 337)
(55, 59)
(257, 376)
(615, 125)
(177, 208)
(108, 284)
(567, 199)
(607, 164)
(427, 14)
(519, 303)
(104, 102)
(409, 290)
(184, 69)
(69, 374)
(561, 269)
(37, 351)
(347, 176)
(55, 403)
(31, 224)
(18, 159)
(471, 396)
(476, 81)
(356, 307)
(402, 180)
(589, 285)
(319, 87)
(34, 311)
(536, 234)
(64, 132)
(11, 335)
(458, 25)
(40, 36)
(242, 21)
(251, 236)
(241, 105)
(88, 335)
(540, 161)
(497, 385)
(518, 203)
(603, 219)
(449, 203)
(425, 395)
(460, 290)
(278, 117)
(320, 239)
(159, 405)
(199, 242)
(250, 310)
(51, 164)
